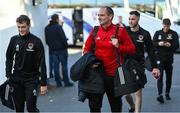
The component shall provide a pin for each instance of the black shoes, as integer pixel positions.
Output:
(168, 97)
(160, 99)
(131, 110)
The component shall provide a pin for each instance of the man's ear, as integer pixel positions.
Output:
(111, 17)
(29, 25)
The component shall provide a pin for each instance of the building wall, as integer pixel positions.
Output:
(8, 15)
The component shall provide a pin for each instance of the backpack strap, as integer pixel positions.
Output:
(117, 29)
(95, 30)
(116, 50)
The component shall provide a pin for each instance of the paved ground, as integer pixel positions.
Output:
(65, 99)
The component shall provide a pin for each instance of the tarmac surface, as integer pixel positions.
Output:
(64, 99)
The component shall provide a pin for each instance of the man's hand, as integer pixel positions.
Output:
(115, 42)
(43, 90)
(156, 73)
(95, 65)
(167, 44)
(161, 43)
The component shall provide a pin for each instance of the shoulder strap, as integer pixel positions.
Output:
(116, 51)
(95, 30)
(117, 29)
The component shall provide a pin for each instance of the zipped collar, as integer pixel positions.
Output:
(25, 37)
(107, 28)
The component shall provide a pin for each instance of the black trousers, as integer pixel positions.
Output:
(95, 100)
(25, 90)
(165, 65)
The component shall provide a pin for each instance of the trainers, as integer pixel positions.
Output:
(69, 84)
(168, 97)
(160, 99)
(131, 110)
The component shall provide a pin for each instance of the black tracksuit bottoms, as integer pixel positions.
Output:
(95, 100)
(25, 91)
(165, 65)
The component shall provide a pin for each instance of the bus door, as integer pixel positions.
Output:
(77, 27)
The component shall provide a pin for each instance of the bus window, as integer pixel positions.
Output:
(175, 9)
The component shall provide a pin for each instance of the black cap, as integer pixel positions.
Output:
(166, 21)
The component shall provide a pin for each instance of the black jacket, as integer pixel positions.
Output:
(90, 80)
(171, 37)
(55, 37)
(143, 42)
(25, 56)
(77, 70)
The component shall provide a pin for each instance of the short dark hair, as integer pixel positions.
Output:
(23, 18)
(54, 17)
(166, 21)
(109, 10)
(135, 13)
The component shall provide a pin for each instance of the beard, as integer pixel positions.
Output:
(133, 26)
(103, 22)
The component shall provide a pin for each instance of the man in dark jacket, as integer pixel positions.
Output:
(166, 42)
(25, 57)
(57, 42)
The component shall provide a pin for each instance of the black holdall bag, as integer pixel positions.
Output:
(129, 77)
(7, 95)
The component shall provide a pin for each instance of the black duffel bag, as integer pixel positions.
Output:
(7, 95)
(131, 78)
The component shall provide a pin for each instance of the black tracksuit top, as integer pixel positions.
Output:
(171, 37)
(25, 55)
(143, 42)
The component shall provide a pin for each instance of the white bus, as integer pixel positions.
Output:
(77, 23)
(80, 19)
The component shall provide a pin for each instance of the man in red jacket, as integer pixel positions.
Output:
(104, 50)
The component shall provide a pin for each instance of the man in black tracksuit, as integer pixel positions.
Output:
(142, 41)
(24, 57)
(166, 42)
